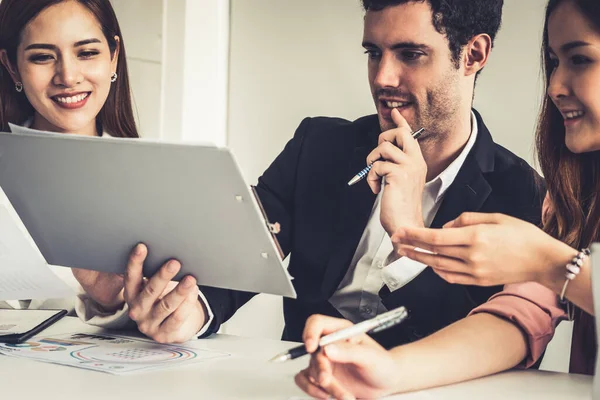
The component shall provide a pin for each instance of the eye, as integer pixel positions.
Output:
(41, 58)
(412, 55)
(580, 60)
(373, 54)
(553, 63)
(86, 54)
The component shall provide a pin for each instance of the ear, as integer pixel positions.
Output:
(477, 53)
(115, 56)
(12, 70)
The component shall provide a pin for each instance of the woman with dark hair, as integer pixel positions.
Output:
(61, 80)
(80, 87)
(495, 249)
(64, 70)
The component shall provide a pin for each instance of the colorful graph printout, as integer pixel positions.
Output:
(107, 353)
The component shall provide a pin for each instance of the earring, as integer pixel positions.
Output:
(19, 86)
(113, 77)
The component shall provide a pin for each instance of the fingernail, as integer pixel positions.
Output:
(172, 266)
(348, 397)
(187, 282)
(308, 344)
(138, 249)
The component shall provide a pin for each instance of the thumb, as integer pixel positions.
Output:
(360, 355)
(473, 218)
(450, 224)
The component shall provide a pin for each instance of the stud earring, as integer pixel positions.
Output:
(113, 77)
(19, 87)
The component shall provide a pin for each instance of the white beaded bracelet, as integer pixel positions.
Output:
(573, 269)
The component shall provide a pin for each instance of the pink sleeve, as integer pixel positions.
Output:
(531, 307)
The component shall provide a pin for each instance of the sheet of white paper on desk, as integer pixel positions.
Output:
(24, 273)
(595, 258)
(21, 321)
(113, 354)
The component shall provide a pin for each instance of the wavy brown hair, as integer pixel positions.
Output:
(573, 180)
(115, 117)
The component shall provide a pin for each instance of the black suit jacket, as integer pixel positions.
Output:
(322, 220)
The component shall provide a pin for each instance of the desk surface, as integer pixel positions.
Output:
(246, 375)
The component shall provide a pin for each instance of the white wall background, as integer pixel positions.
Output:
(141, 26)
(288, 60)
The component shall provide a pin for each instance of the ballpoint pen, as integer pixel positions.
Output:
(362, 174)
(379, 323)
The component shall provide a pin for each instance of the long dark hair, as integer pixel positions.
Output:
(115, 117)
(573, 180)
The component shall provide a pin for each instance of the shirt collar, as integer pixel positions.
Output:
(437, 187)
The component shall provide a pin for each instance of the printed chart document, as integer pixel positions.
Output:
(117, 355)
(24, 273)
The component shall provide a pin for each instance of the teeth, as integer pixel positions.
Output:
(72, 99)
(395, 104)
(573, 114)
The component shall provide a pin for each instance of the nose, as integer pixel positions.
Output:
(387, 72)
(559, 84)
(68, 73)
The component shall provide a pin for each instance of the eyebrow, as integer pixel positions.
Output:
(44, 46)
(400, 45)
(571, 45)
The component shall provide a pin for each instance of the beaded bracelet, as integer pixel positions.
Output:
(573, 269)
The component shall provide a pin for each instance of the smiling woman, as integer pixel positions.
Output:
(64, 68)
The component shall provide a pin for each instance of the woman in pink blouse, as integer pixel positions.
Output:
(537, 265)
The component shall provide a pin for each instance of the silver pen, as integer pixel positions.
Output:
(373, 325)
(362, 174)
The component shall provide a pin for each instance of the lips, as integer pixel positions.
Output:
(71, 100)
(387, 105)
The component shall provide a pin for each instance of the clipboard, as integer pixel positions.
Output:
(88, 201)
(30, 323)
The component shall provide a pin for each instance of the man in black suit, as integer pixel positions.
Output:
(332, 231)
(423, 60)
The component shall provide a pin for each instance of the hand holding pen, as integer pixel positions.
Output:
(363, 173)
(398, 159)
(358, 367)
(373, 325)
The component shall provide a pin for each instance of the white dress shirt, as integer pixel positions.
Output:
(357, 296)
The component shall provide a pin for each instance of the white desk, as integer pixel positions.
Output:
(246, 375)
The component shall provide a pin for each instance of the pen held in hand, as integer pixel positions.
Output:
(373, 325)
(362, 174)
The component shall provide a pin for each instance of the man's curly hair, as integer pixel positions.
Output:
(458, 20)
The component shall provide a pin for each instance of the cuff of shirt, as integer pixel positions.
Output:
(398, 272)
(211, 315)
(90, 312)
(537, 320)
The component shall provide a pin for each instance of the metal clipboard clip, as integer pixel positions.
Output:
(274, 228)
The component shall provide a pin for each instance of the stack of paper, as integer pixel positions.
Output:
(24, 273)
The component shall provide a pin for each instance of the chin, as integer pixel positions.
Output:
(580, 146)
